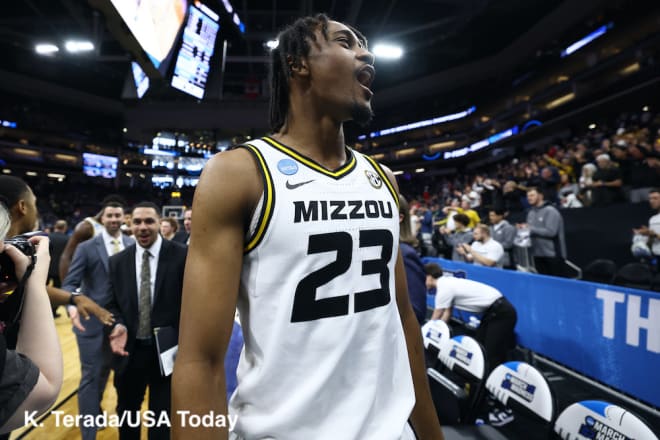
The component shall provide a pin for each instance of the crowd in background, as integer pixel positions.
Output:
(606, 165)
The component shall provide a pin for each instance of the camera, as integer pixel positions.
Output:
(11, 288)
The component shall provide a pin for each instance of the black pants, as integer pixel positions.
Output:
(142, 370)
(495, 332)
(550, 266)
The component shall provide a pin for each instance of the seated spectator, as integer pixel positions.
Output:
(31, 375)
(503, 232)
(484, 251)
(652, 231)
(461, 234)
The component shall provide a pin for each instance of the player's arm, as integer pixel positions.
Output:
(229, 188)
(84, 231)
(424, 418)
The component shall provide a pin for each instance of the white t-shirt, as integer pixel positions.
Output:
(654, 225)
(464, 294)
(490, 249)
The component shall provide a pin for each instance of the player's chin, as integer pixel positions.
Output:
(361, 113)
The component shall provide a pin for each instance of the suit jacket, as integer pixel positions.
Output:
(181, 237)
(57, 244)
(89, 271)
(166, 302)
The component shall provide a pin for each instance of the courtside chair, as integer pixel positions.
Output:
(594, 419)
(457, 387)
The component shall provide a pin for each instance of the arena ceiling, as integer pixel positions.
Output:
(450, 45)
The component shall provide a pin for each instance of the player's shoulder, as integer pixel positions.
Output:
(235, 166)
(230, 179)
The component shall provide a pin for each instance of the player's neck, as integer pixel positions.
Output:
(320, 139)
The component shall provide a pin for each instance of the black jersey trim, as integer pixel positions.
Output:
(268, 203)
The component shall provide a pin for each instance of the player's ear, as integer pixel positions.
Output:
(299, 66)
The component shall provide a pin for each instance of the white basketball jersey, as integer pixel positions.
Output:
(97, 227)
(325, 355)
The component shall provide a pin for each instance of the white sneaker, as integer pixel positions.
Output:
(499, 417)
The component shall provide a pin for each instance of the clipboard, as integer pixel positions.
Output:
(167, 344)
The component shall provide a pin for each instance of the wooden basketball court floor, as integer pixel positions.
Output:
(67, 401)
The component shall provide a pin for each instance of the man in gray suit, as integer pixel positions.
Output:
(88, 273)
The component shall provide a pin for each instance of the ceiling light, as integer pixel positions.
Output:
(645, 108)
(592, 126)
(46, 49)
(397, 173)
(632, 68)
(559, 101)
(420, 170)
(405, 152)
(26, 152)
(441, 145)
(6, 171)
(31, 173)
(78, 46)
(124, 129)
(387, 51)
(272, 44)
(66, 158)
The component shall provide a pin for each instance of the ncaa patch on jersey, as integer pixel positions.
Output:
(287, 167)
(374, 179)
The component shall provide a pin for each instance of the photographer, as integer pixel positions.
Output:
(31, 376)
(22, 207)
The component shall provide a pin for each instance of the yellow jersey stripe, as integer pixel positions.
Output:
(383, 176)
(342, 171)
(269, 200)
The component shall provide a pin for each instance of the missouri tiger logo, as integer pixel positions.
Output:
(374, 179)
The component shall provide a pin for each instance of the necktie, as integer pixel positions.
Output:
(115, 246)
(144, 307)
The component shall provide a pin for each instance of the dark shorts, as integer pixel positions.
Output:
(18, 379)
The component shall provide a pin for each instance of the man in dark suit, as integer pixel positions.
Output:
(146, 281)
(88, 273)
(184, 235)
(58, 239)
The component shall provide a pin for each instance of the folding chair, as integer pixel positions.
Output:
(435, 335)
(457, 386)
(595, 419)
(524, 390)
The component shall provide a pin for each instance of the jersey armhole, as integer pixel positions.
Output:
(268, 200)
(383, 176)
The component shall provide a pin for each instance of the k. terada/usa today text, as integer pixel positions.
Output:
(134, 419)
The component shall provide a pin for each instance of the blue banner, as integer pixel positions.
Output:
(608, 333)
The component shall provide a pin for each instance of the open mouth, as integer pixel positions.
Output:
(365, 76)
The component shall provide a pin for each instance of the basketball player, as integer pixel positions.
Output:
(302, 234)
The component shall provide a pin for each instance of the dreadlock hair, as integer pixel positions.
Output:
(294, 44)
